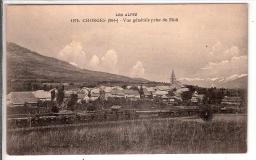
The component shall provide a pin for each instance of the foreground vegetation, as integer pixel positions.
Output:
(178, 135)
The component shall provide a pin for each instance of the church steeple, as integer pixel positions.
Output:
(173, 78)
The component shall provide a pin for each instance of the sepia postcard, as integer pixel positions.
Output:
(95, 79)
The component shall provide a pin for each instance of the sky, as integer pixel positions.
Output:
(209, 41)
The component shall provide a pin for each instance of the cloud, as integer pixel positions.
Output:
(219, 53)
(223, 62)
(94, 62)
(73, 53)
(106, 63)
(138, 70)
(212, 65)
(231, 52)
(109, 61)
(236, 65)
(217, 47)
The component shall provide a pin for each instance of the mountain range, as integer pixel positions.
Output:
(23, 64)
(234, 81)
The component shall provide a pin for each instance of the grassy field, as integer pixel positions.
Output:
(225, 134)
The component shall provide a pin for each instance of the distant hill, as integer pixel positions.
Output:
(23, 64)
(236, 82)
(240, 83)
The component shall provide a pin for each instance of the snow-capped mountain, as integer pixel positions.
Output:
(233, 81)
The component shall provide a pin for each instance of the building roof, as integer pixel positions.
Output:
(41, 94)
(68, 93)
(163, 88)
(117, 88)
(176, 98)
(146, 92)
(180, 90)
(176, 85)
(20, 98)
(95, 91)
(131, 92)
(128, 87)
(161, 93)
(150, 89)
(107, 89)
(84, 91)
(117, 92)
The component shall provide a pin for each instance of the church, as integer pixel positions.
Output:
(174, 84)
(177, 87)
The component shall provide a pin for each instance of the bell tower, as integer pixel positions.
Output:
(173, 78)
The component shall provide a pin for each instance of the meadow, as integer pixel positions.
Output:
(224, 134)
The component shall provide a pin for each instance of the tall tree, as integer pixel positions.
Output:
(53, 94)
(60, 95)
(141, 92)
(186, 95)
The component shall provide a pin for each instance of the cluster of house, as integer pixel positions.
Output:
(129, 93)
(171, 94)
(167, 93)
(106, 92)
(91, 94)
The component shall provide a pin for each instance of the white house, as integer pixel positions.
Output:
(42, 95)
(197, 98)
(131, 94)
(160, 93)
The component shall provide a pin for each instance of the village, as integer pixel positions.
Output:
(132, 97)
